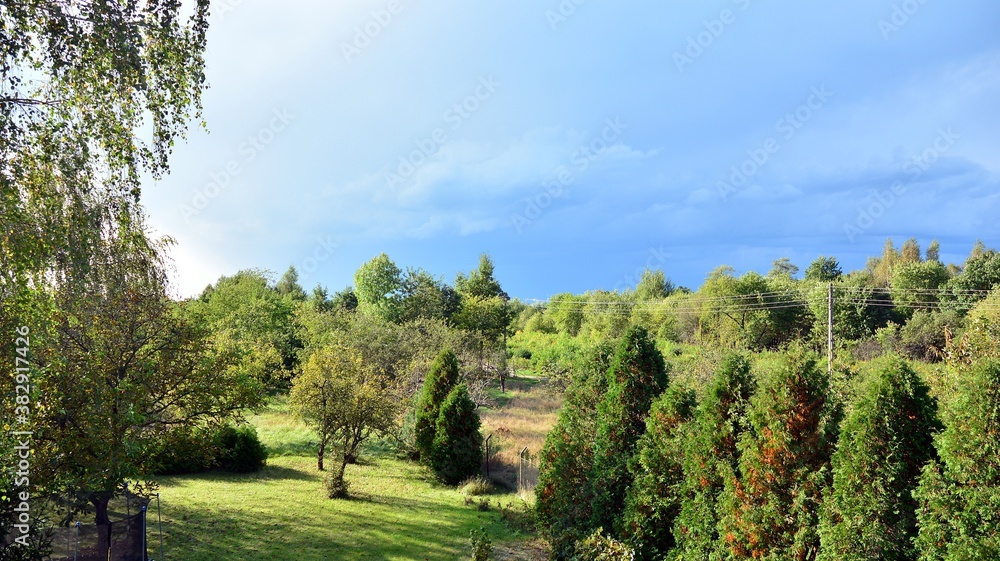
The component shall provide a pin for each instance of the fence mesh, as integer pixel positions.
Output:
(507, 464)
(527, 474)
(82, 539)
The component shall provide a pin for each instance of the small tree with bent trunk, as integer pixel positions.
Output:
(346, 402)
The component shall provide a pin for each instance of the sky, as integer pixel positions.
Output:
(580, 141)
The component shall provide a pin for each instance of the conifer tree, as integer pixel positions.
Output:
(635, 378)
(711, 457)
(439, 382)
(564, 493)
(884, 443)
(458, 445)
(959, 495)
(770, 509)
(654, 499)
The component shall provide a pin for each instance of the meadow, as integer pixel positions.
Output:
(397, 510)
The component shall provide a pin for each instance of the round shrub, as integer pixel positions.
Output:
(240, 450)
(183, 451)
(924, 336)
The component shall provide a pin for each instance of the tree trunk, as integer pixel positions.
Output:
(351, 444)
(319, 457)
(100, 501)
(343, 469)
(336, 487)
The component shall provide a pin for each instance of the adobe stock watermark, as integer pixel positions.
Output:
(700, 42)
(249, 150)
(565, 10)
(224, 7)
(325, 249)
(22, 418)
(364, 34)
(564, 176)
(900, 16)
(656, 259)
(880, 201)
(759, 156)
(455, 116)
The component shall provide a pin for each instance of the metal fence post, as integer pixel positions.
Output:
(488, 455)
(520, 470)
(69, 516)
(159, 522)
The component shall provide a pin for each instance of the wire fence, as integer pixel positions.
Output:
(527, 473)
(515, 468)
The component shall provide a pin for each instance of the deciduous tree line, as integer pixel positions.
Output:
(902, 301)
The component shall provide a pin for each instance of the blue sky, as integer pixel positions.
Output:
(578, 141)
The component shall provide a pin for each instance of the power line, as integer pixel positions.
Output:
(772, 300)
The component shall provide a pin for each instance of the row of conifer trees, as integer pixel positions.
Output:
(772, 464)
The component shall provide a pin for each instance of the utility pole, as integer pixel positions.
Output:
(829, 331)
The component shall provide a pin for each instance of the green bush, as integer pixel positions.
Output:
(183, 451)
(481, 545)
(959, 495)
(240, 450)
(541, 323)
(199, 449)
(598, 547)
(458, 445)
(923, 337)
(885, 442)
(476, 486)
(336, 486)
(555, 356)
(438, 384)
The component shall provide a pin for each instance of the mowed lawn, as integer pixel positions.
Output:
(398, 511)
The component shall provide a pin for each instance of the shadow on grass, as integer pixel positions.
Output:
(401, 502)
(366, 527)
(270, 472)
(513, 385)
(292, 449)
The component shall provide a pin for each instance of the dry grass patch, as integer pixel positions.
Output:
(528, 411)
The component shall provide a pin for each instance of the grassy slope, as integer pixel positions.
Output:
(399, 511)
(523, 417)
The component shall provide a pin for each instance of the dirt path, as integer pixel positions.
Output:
(534, 550)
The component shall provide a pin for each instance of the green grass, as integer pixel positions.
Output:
(281, 432)
(397, 511)
(525, 381)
